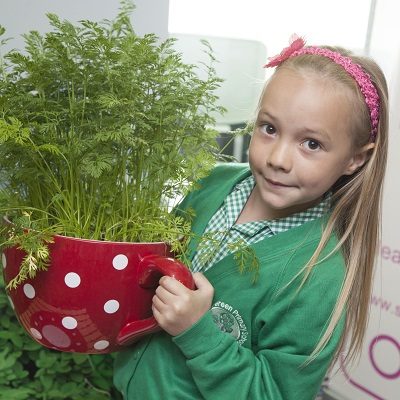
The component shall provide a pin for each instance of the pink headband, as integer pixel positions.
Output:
(362, 78)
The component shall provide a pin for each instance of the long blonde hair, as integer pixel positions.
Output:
(356, 206)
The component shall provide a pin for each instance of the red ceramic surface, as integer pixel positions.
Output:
(95, 297)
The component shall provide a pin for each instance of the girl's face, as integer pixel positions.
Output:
(301, 143)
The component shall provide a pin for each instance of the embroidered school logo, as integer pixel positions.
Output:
(230, 321)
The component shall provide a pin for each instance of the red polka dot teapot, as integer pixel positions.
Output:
(95, 296)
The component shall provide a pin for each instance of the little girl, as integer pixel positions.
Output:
(308, 208)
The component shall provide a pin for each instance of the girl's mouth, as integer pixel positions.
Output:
(276, 183)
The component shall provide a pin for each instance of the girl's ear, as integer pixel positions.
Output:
(359, 159)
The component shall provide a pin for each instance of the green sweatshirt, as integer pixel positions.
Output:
(254, 341)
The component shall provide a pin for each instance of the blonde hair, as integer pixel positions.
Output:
(356, 206)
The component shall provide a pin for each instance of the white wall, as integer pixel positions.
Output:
(336, 22)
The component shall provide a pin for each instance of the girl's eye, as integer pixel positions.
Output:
(312, 145)
(268, 129)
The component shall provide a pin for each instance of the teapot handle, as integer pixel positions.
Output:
(150, 270)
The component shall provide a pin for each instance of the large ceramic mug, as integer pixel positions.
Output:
(95, 297)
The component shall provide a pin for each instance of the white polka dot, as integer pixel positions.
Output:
(120, 261)
(56, 336)
(111, 306)
(35, 333)
(29, 291)
(72, 280)
(101, 345)
(69, 322)
(3, 260)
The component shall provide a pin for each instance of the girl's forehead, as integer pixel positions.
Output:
(304, 81)
(307, 74)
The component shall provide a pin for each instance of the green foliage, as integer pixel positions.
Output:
(24, 234)
(100, 131)
(245, 258)
(28, 371)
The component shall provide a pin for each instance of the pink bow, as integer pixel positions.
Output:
(295, 43)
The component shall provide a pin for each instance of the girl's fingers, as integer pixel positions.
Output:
(172, 285)
(164, 295)
(158, 306)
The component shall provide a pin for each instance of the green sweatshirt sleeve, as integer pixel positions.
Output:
(275, 367)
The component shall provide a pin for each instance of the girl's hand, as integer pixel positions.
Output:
(176, 308)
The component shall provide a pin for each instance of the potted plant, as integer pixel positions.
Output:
(101, 131)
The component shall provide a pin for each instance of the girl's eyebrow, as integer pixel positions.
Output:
(266, 114)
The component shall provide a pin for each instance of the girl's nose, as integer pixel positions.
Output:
(280, 157)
